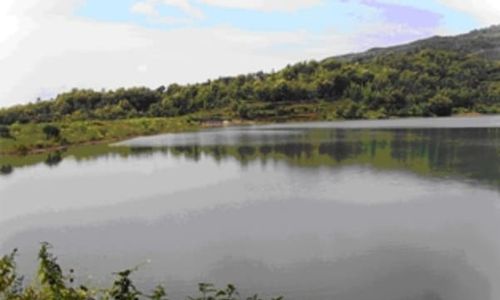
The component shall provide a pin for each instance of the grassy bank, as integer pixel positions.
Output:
(30, 138)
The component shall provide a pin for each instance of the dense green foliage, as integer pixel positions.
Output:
(53, 284)
(419, 83)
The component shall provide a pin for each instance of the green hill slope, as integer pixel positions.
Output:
(437, 76)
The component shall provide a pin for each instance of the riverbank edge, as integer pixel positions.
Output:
(22, 149)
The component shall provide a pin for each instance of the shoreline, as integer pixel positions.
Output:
(34, 150)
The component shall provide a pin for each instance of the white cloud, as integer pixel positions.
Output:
(12, 12)
(186, 7)
(147, 8)
(265, 5)
(487, 12)
(36, 8)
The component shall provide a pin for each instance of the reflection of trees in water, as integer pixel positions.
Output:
(193, 152)
(341, 150)
(466, 152)
(400, 146)
(245, 152)
(218, 152)
(470, 153)
(441, 149)
(53, 159)
(265, 149)
(294, 150)
(6, 169)
(477, 152)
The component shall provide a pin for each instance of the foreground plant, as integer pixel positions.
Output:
(52, 284)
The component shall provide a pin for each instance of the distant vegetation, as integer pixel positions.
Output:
(53, 284)
(420, 83)
(434, 77)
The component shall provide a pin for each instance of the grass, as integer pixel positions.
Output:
(30, 138)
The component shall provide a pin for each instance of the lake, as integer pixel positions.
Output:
(356, 210)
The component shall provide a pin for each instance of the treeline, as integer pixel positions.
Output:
(420, 83)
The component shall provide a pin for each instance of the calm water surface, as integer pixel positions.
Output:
(365, 210)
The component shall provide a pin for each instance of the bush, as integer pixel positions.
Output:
(348, 109)
(5, 132)
(51, 132)
(440, 105)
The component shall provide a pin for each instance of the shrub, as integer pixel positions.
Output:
(5, 132)
(51, 131)
(440, 105)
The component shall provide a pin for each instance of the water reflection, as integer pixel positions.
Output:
(303, 211)
(6, 169)
(467, 153)
(463, 153)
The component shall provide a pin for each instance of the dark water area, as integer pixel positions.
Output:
(389, 210)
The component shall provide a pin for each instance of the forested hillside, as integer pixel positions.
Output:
(424, 80)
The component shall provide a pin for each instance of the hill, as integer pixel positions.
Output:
(439, 76)
(484, 42)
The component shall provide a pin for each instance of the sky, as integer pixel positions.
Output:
(52, 46)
